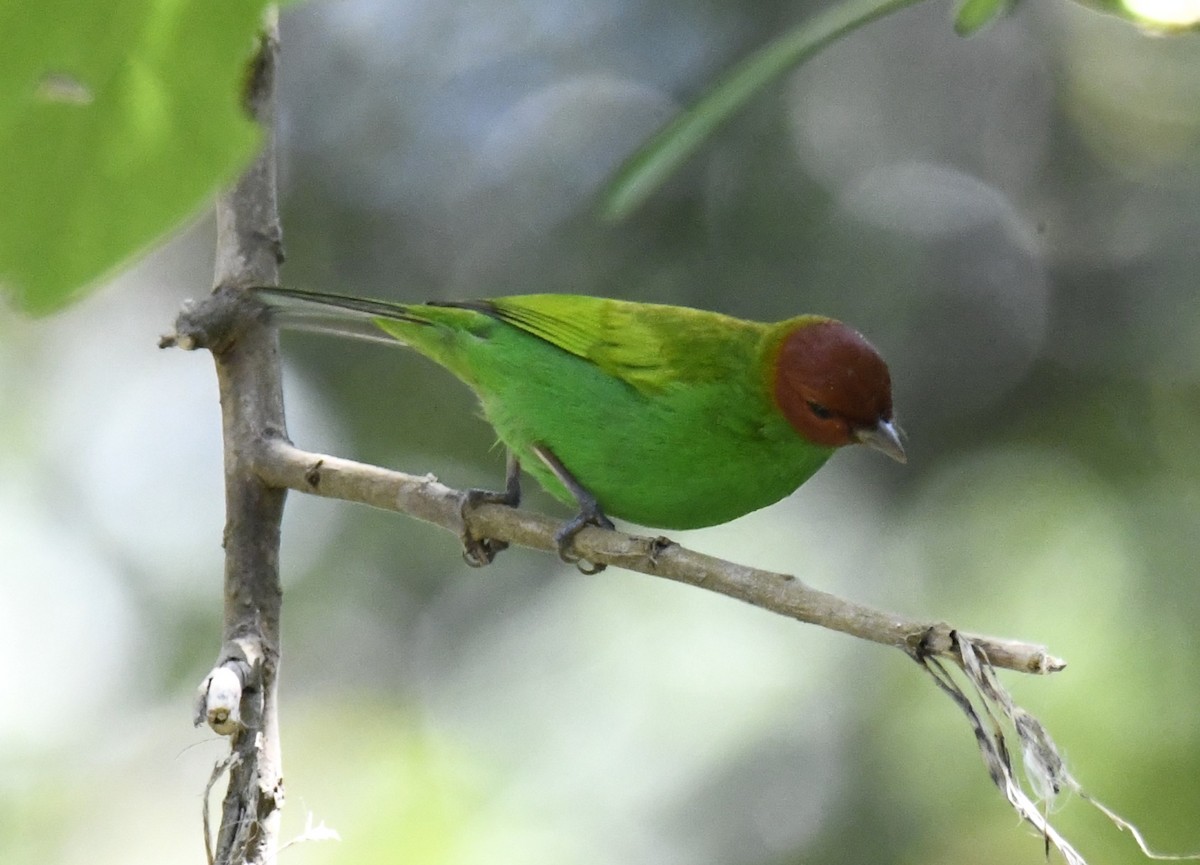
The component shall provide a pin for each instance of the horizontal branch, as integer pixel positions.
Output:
(280, 464)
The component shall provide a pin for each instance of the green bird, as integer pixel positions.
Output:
(664, 416)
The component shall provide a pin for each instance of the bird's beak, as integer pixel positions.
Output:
(884, 437)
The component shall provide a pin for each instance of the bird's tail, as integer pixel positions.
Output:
(337, 314)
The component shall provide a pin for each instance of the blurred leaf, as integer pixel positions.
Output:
(671, 146)
(117, 121)
(1158, 16)
(973, 15)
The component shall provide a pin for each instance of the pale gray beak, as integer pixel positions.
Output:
(884, 437)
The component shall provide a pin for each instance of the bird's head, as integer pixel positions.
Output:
(834, 388)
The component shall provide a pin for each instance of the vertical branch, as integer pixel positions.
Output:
(238, 697)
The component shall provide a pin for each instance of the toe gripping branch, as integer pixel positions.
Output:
(589, 514)
(479, 552)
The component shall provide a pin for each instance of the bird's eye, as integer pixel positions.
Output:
(819, 410)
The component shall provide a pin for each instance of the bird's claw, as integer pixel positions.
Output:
(480, 552)
(564, 539)
(582, 565)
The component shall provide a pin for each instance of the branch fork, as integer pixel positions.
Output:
(238, 697)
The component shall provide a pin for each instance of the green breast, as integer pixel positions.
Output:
(692, 455)
(666, 418)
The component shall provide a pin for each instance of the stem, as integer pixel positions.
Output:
(238, 698)
(280, 463)
(660, 157)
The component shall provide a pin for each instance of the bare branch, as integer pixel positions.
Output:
(281, 464)
(238, 697)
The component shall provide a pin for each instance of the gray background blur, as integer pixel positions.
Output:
(1012, 219)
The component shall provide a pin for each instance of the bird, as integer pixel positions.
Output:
(665, 416)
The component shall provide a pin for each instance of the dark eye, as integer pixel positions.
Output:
(819, 410)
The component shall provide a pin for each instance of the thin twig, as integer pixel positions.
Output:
(281, 464)
(219, 769)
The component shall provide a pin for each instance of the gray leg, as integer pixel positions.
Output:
(589, 514)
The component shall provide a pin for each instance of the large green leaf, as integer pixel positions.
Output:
(117, 121)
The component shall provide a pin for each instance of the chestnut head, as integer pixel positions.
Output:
(834, 388)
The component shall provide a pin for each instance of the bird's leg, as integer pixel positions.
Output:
(478, 552)
(589, 514)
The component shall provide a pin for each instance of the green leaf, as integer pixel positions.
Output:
(972, 15)
(671, 146)
(117, 121)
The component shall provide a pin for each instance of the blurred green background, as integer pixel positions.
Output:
(1012, 219)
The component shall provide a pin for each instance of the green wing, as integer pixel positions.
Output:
(650, 346)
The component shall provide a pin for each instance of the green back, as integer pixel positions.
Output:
(663, 413)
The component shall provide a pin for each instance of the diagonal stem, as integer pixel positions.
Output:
(281, 464)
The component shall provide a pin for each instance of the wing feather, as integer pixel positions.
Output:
(650, 346)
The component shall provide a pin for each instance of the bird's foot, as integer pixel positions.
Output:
(481, 552)
(589, 515)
